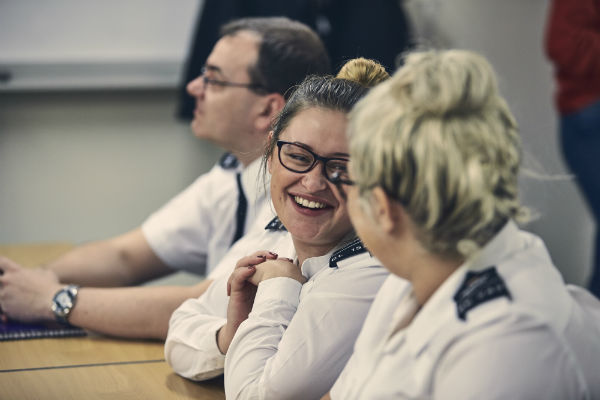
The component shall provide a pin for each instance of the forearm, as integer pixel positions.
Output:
(121, 261)
(90, 264)
(135, 312)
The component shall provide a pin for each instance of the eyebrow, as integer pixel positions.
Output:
(342, 155)
(213, 68)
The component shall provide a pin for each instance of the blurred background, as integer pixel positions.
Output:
(92, 138)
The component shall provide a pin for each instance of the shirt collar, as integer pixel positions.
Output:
(312, 265)
(440, 309)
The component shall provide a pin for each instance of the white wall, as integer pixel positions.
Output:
(510, 34)
(62, 44)
(86, 165)
(79, 161)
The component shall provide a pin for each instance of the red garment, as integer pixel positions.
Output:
(573, 45)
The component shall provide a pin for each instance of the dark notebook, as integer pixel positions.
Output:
(13, 330)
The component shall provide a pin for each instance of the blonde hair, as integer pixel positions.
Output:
(363, 71)
(439, 138)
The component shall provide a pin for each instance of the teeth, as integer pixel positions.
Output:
(307, 203)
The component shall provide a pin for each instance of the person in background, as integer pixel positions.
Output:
(435, 155)
(573, 46)
(240, 89)
(289, 323)
(336, 22)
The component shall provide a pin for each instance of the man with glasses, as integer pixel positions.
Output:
(243, 85)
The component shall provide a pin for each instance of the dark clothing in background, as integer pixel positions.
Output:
(376, 29)
(573, 46)
(580, 139)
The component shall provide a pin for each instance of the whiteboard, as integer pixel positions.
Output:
(70, 44)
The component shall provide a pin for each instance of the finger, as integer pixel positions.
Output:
(229, 284)
(269, 255)
(253, 259)
(239, 277)
(7, 264)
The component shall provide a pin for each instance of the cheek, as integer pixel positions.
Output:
(356, 212)
(279, 182)
(352, 203)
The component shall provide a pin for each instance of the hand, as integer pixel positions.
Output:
(26, 293)
(281, 267)
(241, 294)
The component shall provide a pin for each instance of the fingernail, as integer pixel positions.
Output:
(261, 256)
(273, 254)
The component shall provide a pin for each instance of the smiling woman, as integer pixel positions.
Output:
(291, 318)
(307, 203)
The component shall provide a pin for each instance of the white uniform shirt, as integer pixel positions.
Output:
(191, 346)
(194, 230)
(524, 336)
(297, 338)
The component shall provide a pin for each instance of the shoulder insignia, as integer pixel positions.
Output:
(351, 249)
(228, 161)
(477, 288)
(275, 225)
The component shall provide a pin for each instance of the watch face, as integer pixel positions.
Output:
(64, 300)
(62, 303)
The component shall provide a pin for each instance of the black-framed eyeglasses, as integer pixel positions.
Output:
(297, 158)
(216, 82)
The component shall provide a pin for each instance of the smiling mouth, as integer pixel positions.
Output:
(308, 203)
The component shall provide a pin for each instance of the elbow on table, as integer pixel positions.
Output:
(186, 362)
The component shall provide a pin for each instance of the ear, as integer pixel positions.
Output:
(269, 107)
(389, 214)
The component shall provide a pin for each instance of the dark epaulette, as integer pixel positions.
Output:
(275, 225)
(477, 288)
(228, 161)
(352, 249)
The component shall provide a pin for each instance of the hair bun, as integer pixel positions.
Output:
(443, 84)
(363, 71)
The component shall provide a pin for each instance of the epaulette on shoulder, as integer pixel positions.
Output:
(228, 161)
(275, 225)
(478, 288)
(352, 249)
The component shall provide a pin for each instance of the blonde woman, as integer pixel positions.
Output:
(435, 155)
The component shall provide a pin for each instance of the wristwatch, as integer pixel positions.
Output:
(63, 302)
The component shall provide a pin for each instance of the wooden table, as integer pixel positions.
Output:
(90, 367)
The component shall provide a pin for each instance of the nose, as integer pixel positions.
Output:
(314, 180)
(195, 87)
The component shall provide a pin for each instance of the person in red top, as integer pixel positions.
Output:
(573, 46)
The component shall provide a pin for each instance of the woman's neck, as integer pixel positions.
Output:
(429, 275)
(424, 270)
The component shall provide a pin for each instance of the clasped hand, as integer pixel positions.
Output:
(242, 284)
